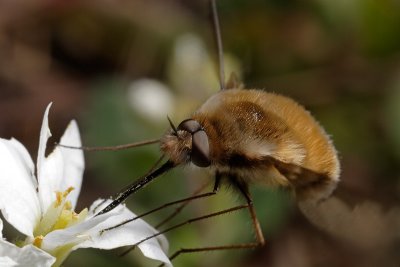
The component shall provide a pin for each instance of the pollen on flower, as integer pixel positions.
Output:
(67, 216)
(59, 215)
(37, 242)
(69, 190)
(59, 198)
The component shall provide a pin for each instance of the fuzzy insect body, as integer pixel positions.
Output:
(258, 137)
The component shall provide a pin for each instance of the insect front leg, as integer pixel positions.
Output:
(217, 183)
(184, 202)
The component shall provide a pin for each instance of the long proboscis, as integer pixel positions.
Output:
(112, 148)
(137, 185)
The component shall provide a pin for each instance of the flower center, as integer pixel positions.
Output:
(59, 215)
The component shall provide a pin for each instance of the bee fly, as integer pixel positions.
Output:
(246, 136)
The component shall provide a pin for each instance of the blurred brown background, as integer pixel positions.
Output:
(340, 59)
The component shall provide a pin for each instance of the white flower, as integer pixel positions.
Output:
(11, 255)
(43, 209)
(29, 255)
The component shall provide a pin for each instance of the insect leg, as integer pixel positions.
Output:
(226, 247)
(260, 237)
(200, 218)
(256, 224)
(112, 148)
(184, 202)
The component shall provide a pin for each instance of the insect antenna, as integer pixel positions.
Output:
(111, 148)
(172, 125)
(218, 39)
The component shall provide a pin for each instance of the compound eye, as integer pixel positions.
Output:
(200, 155)
(190, 126)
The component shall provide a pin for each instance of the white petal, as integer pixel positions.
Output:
(44, 136)
(127, 234)
(18, 198)
(50, 178)
(7, 262)
(25, 159)
(48, 169)
(25, 256)
(87, 234)
(62, 169)
(74, 234)
(73, 162)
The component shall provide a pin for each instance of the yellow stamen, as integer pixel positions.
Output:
(69, 189)
(59, 198)
(37, 242)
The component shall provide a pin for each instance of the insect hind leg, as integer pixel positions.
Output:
(260, 240)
